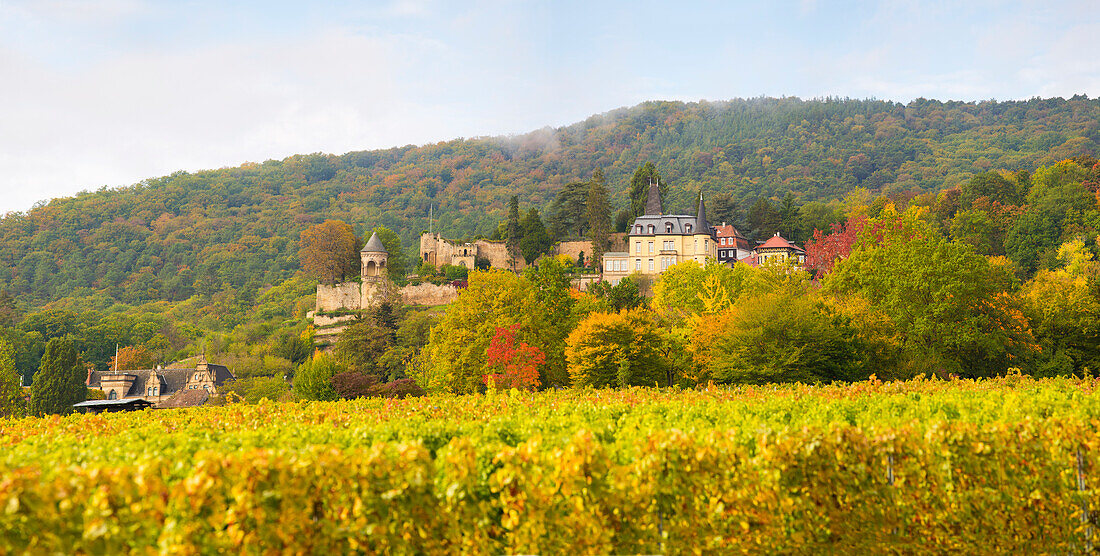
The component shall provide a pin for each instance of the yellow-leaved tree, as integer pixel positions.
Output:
(616, 350)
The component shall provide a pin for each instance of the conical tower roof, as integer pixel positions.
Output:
(374, 245)
(653, 199)
(701, 224)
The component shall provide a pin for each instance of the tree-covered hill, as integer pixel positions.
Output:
(236, 229)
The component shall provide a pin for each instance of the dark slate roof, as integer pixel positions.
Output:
(185, 398)
(653, 199)
(374, 245)
(701, 217)
(660, 221)
(171, 380)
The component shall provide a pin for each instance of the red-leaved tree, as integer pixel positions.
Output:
(519, 365)
(823, 251)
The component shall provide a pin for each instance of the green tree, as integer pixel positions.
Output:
(723, 208)
(1065, 313)
(361, 346)
(567, 211)
(763, 219)
(599, 217)
(535, 240)
(950, 304)
(313, 379)
(554, 304)
(514, 233)
(59, 382)
(779, 337)
(639, 187)
(396, 263)
(12, 403)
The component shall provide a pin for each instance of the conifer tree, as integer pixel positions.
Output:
(599, 217)
(59, 382)
(639, 187)
(514, 231)
(11, 392)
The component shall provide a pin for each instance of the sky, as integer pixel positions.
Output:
(107, 93)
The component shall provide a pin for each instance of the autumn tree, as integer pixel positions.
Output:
(517, 365)
(360, 347)
(779, 337)
(455, 358)
(313, 379)
(1065, 312)
(617, 350)
(59, 382)
(329, 252)
(12, 403)
(823, 251)
(599, 217)
(952, 306)
(131, 358)
(639, 187)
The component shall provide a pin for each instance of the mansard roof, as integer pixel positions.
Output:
(169, 380)
(660, 222)
(374, 245)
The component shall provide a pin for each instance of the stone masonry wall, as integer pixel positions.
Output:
(345, 295)
(428, 294)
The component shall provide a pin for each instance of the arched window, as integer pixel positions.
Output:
(652, 228)
(639, 228)
(112, 395)
(687, 228)
(668, 227)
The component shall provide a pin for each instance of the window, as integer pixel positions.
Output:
(651, 247)
(696, 246)
(652, 229)
(651, 265)
(668, 227)
(687, 228)
(638, 246)
(637, 264)
(638, 228)
(609, 267)
(112, 395)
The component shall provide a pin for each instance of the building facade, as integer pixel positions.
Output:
(657, 241)
(159, 385)
(732, 245)
(775, 250)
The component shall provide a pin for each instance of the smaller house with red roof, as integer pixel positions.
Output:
(775, 250)
(732, 245)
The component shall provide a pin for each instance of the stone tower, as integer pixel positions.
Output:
(376, 286)
(373, 257)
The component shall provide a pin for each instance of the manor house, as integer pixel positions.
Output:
(162, 387)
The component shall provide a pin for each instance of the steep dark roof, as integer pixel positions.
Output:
(374, 245)
(653, 199)
(171, 380)
(701, 225)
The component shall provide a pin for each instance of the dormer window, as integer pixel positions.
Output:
(639, 228)
(652, 229)
(687, 228)
(668, 227)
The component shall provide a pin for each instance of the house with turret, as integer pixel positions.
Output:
(657, 241)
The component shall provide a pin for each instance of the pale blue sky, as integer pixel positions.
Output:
(111, 92)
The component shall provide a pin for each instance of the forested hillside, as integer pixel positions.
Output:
(173, 237)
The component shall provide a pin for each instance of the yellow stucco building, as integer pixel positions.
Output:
(657, 241)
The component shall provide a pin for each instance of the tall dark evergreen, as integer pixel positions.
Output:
(763, 219)
(11, 391)
(599, 217)
(567, 211)
(639, 187)
(513, 231)
(59, 382)
(535, 240)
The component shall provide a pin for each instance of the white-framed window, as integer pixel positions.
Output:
(609, 267)
(651, 265)
(687, 228)
(638, 246)
(651, 247)
(637, 264)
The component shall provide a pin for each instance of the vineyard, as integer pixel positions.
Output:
(1002, 465)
